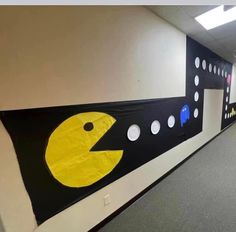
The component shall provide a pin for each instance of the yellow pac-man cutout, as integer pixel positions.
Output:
(68, 154)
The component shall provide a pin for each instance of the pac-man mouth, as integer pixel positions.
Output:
(105, 142)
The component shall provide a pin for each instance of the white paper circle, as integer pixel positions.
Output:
(218, 72)
(133, 132)
(226, 99)
(197, 62)
(171, 121)
(204, 65)
(227, 90)
(195, 113)
(226, 74)
(196, 96)
(214, 69)
(226, 108)
(155, 127)
(210, 68)
(225, 116)
(196, 80)
(222, 73)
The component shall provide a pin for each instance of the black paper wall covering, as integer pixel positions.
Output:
(30, 130)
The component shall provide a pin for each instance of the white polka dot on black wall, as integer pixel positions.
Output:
(226, 74)
(210, 68)
(196, 80)
(225, 116)
(214, 69)
(195, 113)
(227, 90)
(204, 65)
(218, 72)
(226, 108)
(227, 99)
(171, 121)
(222, 73)
(196, 96)
(197, 62)
(133, 132)
(155, 127)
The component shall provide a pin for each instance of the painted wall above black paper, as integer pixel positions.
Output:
(68, 152)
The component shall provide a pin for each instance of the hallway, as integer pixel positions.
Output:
(198, 196)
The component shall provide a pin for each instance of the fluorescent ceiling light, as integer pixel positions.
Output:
(216, 17)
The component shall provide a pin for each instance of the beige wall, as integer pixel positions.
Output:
(51, 55)
(64, 55)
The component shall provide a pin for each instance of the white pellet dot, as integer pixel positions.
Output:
(155, 127)
(196, 80)
(214, 69)
(204, 65)
(197, 62)
(133, 132)
(195, 113)
(210, 68)
(171, 121)
(196, 96)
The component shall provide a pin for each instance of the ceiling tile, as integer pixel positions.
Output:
(177, 17)
(229, 43)
(224, 31)
(172, 14)
(221, 40)
(197, 10)
(203, 36)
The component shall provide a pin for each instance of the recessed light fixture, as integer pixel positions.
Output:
(216, 17)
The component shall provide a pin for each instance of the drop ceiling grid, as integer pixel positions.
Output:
(221, 40)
